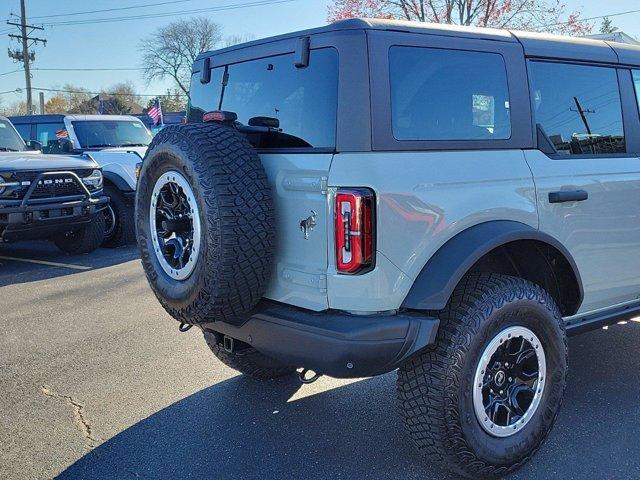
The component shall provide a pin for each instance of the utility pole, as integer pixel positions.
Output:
(24, 55)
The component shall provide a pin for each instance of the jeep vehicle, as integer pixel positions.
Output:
(376, 195)
(59, 198)
(116, 142)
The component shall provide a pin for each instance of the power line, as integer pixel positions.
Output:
(58, 90)
(236, 6)
(132, 7)
(595, 18)
(12, 71)
(81, 69)
(88, 69)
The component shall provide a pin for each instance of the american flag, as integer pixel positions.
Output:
(155, 112)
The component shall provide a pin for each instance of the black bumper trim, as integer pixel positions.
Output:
(333, 343)
(22, 222)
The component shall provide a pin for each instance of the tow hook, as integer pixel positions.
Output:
(302, 375)
(227, 344)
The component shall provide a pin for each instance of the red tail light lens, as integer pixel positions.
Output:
(355, 230)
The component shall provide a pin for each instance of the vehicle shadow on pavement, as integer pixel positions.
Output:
(231, 430)
(241, 428)
(25, 262)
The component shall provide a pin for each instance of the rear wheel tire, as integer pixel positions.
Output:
(83, 240)
(248, 360)
(458, 407)
(122, 231)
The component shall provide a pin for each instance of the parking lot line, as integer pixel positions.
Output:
(44, 262)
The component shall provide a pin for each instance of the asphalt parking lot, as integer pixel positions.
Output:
(97, 382)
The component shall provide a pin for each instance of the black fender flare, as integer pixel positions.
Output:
(436, 281)
(119, 182)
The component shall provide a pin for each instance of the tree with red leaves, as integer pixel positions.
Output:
(535, 15)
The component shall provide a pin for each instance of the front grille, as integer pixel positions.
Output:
(62, 185)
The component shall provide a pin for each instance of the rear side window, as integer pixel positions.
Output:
(439, 94)
(303, 100)
(46, 135)
(24, 129)
(636, 81)
(578, 107)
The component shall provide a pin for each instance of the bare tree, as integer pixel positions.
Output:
(536, 15)
(171, 51)
(232, 40)
(120, 99)
(15, 108)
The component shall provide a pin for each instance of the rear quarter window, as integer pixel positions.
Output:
(24, 129)
(303, 100)
(439, 94)
(46, 135)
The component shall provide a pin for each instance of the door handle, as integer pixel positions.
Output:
(568, 196)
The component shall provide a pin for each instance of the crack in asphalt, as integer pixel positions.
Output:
(78, 414)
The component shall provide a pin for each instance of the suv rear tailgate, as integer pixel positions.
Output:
(299, 187)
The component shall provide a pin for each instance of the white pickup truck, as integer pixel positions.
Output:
(116, 142)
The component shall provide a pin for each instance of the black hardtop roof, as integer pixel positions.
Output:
(21, 119)
(534, 44)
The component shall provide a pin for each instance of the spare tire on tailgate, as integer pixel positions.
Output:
(205, 223)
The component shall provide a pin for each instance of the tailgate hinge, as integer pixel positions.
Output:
(324, 184)
(322, 283)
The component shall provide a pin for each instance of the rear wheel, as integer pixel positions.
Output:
(83, 240)
(247, 360)
(119, 221)
(483, 400)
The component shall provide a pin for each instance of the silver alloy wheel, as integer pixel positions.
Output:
(509, 381)
(175, 225)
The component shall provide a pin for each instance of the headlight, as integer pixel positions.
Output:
(94, 180)
(4, 185)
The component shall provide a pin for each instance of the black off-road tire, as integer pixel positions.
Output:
(248, 360)
(435, 389)
(235, 259)
(84, 240)
(124, 232)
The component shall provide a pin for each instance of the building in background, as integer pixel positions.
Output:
(619, 37)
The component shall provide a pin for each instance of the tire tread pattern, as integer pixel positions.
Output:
(124, 233)
(85, 240)
(427, 385)
(238, 224)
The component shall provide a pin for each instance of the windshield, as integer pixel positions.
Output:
(111, 133)
(10, 141)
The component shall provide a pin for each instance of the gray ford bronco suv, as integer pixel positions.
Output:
(58, 198)
(376, 195)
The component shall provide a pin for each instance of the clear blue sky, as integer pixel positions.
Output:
(115, 44)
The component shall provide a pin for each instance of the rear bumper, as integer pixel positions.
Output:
(333, 343)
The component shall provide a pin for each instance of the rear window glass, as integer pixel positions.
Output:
(579, 107)
(303, 100)
(439, 94)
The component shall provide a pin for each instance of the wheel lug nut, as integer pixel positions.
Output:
(501, 392)
(510, 379)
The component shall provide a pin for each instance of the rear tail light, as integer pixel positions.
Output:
(355, 230)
